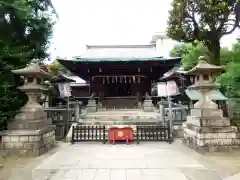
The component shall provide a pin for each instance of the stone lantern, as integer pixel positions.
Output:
(206, 129)
(30, 133)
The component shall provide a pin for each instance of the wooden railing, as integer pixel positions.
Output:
(154, 133)
(88, 133)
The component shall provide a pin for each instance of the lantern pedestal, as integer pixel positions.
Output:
(209, 133)
(28, 142)
(30, 133)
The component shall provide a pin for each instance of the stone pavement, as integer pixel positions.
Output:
(150, 161)
(146, 161)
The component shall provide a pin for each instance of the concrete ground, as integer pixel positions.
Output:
(151, 161)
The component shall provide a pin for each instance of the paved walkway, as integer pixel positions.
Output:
(146, 161)
(149, 161)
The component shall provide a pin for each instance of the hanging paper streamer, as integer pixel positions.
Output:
(125, 79)
(134, 79)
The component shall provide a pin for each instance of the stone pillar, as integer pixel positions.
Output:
(30, 133)
(161, 111)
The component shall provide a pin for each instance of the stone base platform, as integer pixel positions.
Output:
(28, 142)
(207, 139)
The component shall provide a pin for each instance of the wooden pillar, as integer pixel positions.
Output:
(90, 86)
(101, 89)
(139, 86)
(145, 86)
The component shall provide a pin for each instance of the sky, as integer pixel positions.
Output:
(110, 22)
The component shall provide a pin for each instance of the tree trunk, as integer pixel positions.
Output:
(214, 49)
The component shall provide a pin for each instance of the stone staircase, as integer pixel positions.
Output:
(119, 103)
(120, 116)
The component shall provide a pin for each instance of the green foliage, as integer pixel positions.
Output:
(190, 53)
(55, 68)
(206, 21)
(230, 80)
(25, 29)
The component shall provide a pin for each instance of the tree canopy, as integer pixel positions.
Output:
(26, 28)
(205, 21)
(190, 53)
(230, 80)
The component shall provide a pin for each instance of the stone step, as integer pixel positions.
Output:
(118, 109)
(111, 122)
(121, 117)
(120, 112)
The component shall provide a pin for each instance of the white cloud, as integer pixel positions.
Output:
(84, 22)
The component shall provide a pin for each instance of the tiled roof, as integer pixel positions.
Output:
(120, 53)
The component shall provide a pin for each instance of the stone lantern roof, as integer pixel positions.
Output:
(204, 67)
(31, 70)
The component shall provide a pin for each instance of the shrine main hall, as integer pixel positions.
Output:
(120, 76)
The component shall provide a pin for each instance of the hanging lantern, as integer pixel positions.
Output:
(116, 79)
(100, 70)
(139, 69)
(108, 79)
(134, 79)
(125, 79)
(120, 79)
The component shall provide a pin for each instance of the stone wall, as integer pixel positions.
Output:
(30, 144)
